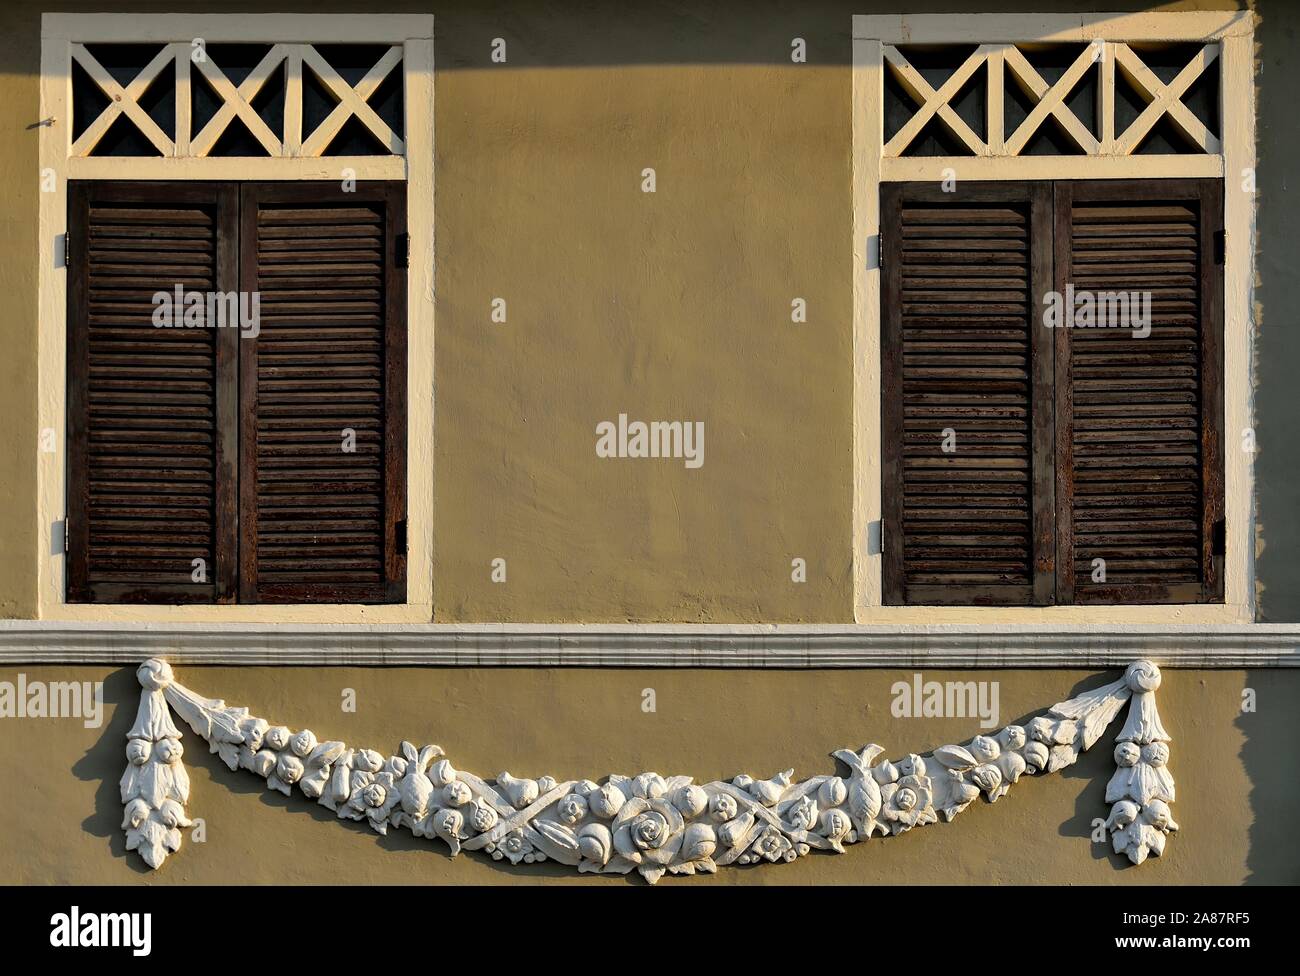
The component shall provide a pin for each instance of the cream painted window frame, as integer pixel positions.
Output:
(59, 32)
(1234, 162)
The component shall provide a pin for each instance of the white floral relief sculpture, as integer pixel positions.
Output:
(651, 824)
(155, 786)
(1142, 787)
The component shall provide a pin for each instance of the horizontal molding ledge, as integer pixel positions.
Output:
(652, 646)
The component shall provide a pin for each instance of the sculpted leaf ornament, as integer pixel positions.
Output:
(650, 824)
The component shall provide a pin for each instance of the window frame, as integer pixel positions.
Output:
(1233, 164)
(415, 166)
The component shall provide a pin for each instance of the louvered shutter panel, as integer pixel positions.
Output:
(319, 523)
(1140, 418)
(150, 487)
(962, 356)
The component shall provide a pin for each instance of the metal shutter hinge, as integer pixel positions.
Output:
(1220, 245)
(67, 251)
(1219, 539)
(403, 250)
(399, 536)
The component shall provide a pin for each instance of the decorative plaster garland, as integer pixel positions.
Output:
(647, 823)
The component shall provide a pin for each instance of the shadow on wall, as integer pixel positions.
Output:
(1277, 492)
(121, 700)
(1094, 768)
(560, 34)
(1277, 357)
(1273, 784)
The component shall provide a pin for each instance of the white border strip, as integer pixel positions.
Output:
(658, 646)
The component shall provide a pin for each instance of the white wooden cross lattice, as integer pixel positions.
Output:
(1049, 101)
(237, 101)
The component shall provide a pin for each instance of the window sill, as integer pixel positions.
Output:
(207, 616)
(1081, 617)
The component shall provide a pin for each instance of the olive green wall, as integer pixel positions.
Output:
(672, 305)
(61, 815)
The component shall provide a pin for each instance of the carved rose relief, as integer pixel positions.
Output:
(648, 823)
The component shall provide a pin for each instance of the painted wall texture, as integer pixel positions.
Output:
(666, 306)
(1236, 797)
(673, 305)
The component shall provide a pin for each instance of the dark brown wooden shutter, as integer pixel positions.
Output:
(962, 273)
(1139, 447)
(150, 476)
(318, 524)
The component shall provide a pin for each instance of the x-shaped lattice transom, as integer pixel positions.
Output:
(1165, 99)
(237, 101)
(935, 102)
(123, 101)
(1050, 100)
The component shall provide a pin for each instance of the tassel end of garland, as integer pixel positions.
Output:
(155, 786)
(1142, 788)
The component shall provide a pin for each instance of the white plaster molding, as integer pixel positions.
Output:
(645, 646)
(155, 786)
(648, 823)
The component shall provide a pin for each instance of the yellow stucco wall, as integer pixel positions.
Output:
(670, 306)
(673, 305)
(19, 437)
(60, 819)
